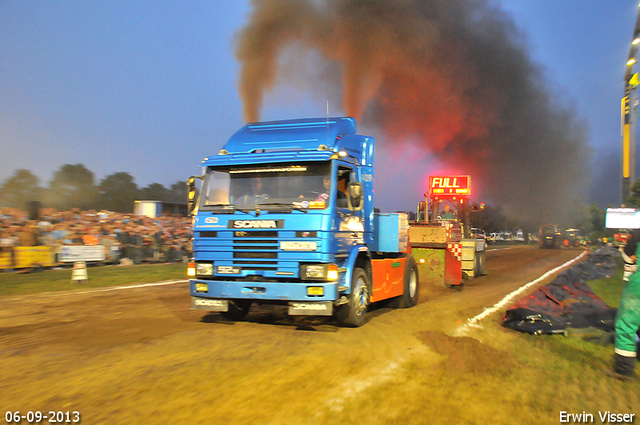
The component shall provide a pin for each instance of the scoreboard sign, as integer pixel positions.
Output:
(622, 218)
(450, 185)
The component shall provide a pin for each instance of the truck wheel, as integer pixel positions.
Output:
(478, 264)
(238, 309)
(353, 313)
(409, 296)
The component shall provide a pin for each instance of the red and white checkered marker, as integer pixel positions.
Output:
(455, 249)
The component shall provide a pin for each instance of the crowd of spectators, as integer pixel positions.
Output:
(138, 238)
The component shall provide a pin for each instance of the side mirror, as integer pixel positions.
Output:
(355, 196)
(192, 200)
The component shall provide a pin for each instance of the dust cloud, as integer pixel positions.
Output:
(452, 77)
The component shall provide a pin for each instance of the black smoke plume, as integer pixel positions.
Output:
(452, 76)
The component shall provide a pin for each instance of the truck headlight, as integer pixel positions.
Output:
(319, 271)
(204, 269)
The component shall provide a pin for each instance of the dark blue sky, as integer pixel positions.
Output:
(150, 87)
(583, 47)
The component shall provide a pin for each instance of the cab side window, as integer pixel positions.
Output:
(345, 175)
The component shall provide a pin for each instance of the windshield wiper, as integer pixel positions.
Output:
(290, 207)
(220, 208)
(247, 208)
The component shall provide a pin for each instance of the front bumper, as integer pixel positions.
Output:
(265, 291)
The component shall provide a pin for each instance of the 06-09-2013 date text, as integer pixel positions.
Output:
(51, 417)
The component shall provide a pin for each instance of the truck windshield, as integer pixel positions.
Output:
(444, 209)
(303, 185)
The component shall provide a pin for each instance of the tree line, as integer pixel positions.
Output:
(74, 186)
(589, 219)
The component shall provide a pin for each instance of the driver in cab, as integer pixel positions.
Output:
(257, 193)
(446, 213)
(323, 194)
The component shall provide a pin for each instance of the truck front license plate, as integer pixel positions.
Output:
(209, 304)
(298, 246)
(310, 309)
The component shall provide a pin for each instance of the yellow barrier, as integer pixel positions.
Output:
(6, 261)
(28, 256)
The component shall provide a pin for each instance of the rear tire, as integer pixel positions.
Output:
(238, 309)
(353, 313)
(410, 294)
(479, 264)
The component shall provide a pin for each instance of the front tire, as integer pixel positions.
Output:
(353, 313)
(238, 310)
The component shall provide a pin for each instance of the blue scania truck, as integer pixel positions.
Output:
(284, 214)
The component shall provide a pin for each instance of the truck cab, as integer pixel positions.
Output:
(284, 215)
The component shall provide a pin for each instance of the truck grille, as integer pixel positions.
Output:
(255, 234)
(255, 255)
(256, 250)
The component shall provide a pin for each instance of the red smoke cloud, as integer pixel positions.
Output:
(451, 76)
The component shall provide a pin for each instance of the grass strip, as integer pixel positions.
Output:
(60, 280)
(610, 289)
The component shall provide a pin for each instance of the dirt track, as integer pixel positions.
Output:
(141, 356)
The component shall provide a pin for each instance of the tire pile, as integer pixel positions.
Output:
(567, 302)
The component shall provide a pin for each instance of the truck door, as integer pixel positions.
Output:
(350, 229)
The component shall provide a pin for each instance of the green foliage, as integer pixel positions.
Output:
(581, 219)
(595, 220)
(588, 219)
(634, 197)
(494, 219)
(154, 192)
(179, 192)
(72, 187)
(491, 219)
(19, 189)
(117, 192)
